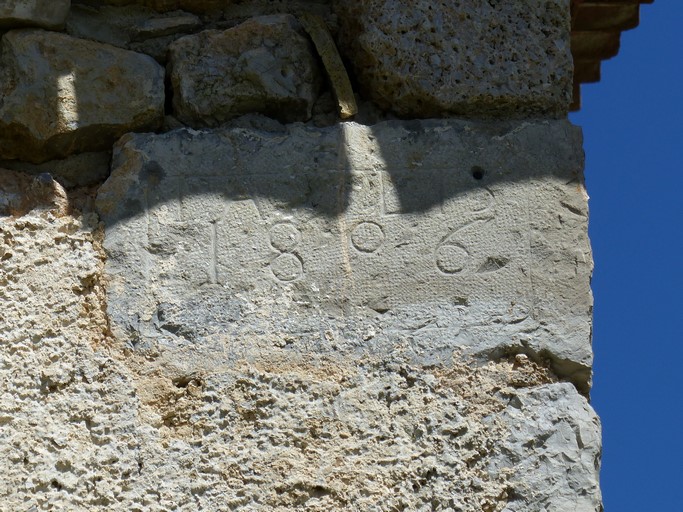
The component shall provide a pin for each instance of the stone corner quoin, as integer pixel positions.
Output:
(202, 266)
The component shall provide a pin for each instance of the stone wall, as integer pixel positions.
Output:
(294, 255)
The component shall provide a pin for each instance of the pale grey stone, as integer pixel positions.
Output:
(50, 14)
(554, 447)
(474, 57)
(239, 391)
(263, 65)
(63, 95)
(409, 239)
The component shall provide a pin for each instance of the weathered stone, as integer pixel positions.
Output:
(63, 95)
(165, 26)
(399, 240)
(126, 26)
(106, 24)
(324, 44)
(80, 170)
(263, 65)
(157, 48)
(567, 459)
(20, 193)
(87, 424)
(49, 14)
(135, 28)
(476, 58)
(292, 416)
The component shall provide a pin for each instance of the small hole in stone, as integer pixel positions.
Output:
(477, 172)
(183, 381)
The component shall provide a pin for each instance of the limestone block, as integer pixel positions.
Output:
(476, 58)
(91, 421)
(263, 65)
(412, 238)
(63, 95)
(49, 14)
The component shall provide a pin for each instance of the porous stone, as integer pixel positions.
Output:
(50, 14)
(396, 239)
(63, 95)
(134, 413)
(263, 65)
(465, 57)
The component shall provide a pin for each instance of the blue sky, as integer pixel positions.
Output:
(633, 131)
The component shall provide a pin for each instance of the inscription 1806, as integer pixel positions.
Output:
(450, 234)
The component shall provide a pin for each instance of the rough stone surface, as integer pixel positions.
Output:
(464, 57)
(263, 65)
(392, 239)
(21, 193)
(63, 95)
(82, 170)
(264, 317)
(130, 26)
(89, 424)
(49, 14)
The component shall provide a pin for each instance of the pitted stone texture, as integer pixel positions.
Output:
(90, 423)
(49, 14)
(63, 95)
(263, 65)
(465, 57)
(398, 238)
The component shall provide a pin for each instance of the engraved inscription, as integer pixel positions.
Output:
(451, 259)
(367, 237)
(287, 267)
(304, 226)
(284, 238)
(213, 254)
